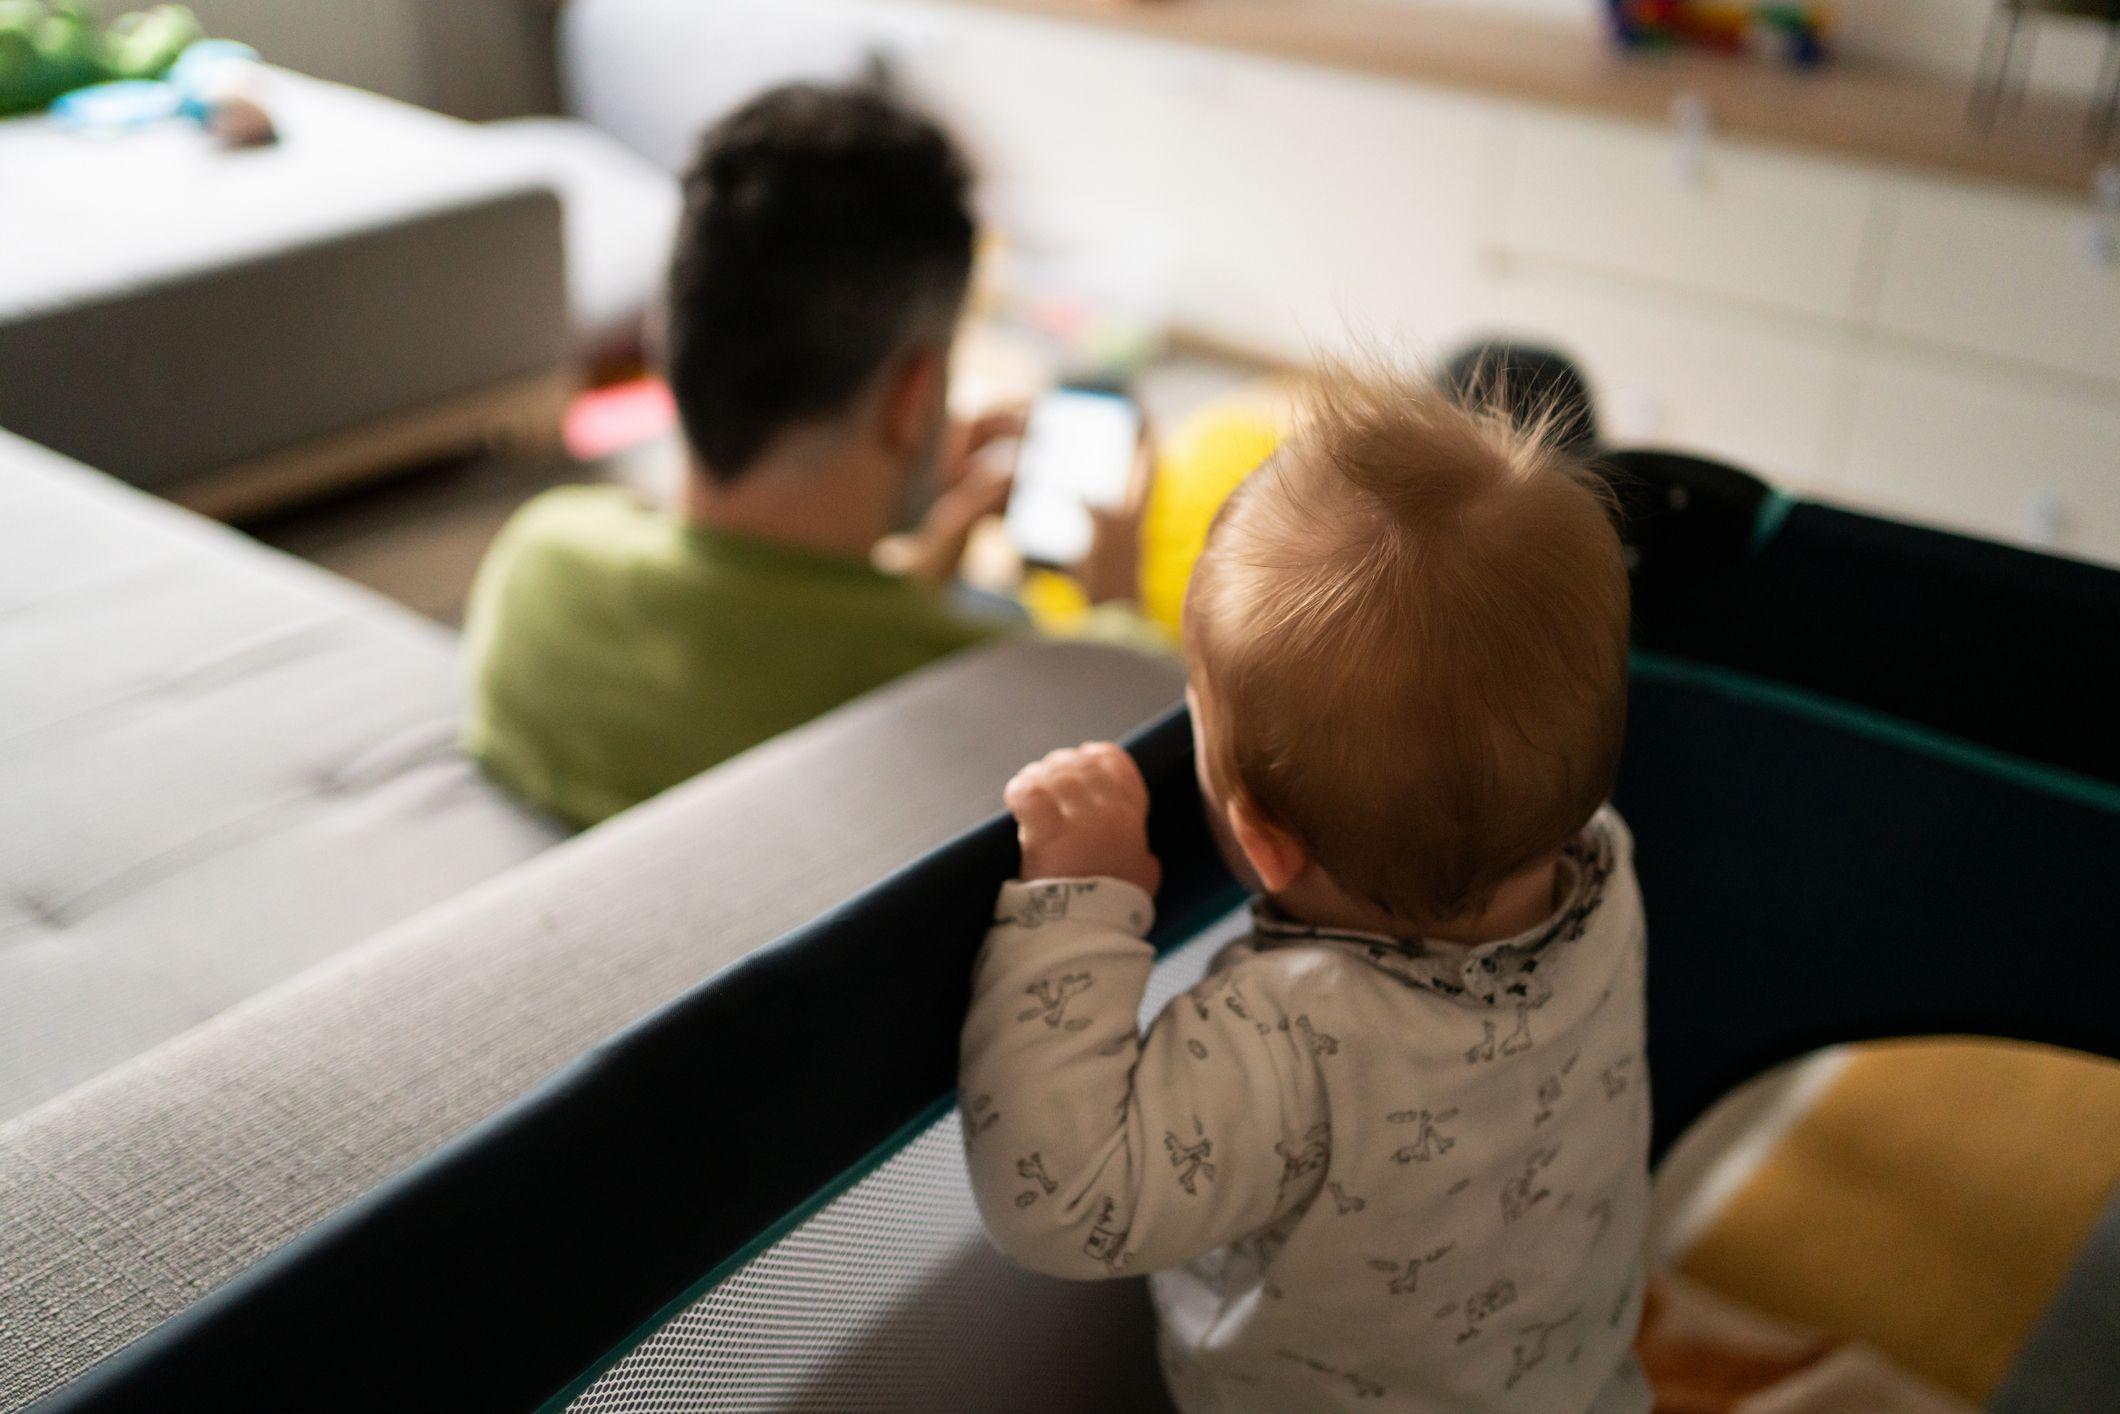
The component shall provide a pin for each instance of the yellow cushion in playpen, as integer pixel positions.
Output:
(1929, 1203)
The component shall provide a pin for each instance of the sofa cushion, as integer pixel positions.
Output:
(219, 764)
(129, 1197)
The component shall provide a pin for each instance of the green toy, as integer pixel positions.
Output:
(50, 50)
(143, 44)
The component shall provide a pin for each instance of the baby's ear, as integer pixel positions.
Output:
(1276, 856)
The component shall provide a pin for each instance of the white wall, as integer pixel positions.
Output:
(373, 44)
(470, 58)
(481, 58)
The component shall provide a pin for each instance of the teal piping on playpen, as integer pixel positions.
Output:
(1767, 522)
(1880, 727)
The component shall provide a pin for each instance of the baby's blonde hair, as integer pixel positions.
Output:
(1409, 629)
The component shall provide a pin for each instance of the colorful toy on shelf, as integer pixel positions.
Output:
(1794, 33)
(213, 83)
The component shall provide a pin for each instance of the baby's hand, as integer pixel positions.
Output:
(1083, 813)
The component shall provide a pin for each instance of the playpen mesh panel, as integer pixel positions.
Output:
(890, 1298)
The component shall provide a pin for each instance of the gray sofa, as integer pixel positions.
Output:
(268, 940)
(218, 766)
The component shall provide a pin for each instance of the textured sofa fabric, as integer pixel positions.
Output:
(218, 766)
(130, 1196)
(168, 308)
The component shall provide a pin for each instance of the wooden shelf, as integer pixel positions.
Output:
(1845, 109)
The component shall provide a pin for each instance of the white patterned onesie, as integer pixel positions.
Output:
(1366, 1172)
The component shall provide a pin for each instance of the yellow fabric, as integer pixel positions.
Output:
(1058, 607)
(1211, 452)
(1055, 601)
(1929, 1203)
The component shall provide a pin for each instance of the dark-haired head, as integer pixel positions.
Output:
(827, 233)
(1531, 386)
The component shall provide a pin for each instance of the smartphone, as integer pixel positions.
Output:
(1079, 449)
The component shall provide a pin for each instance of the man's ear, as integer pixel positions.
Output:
(1276, 857)
(911, 397)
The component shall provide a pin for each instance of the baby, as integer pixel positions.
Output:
(1392, 1152)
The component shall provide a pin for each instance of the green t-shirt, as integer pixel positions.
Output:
(616, 650)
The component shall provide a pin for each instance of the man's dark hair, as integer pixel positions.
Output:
(825, 229)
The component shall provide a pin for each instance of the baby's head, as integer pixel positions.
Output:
(1408, 656)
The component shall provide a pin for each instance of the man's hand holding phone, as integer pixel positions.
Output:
(1082, 480)
(1073, 497)
(973, 488)
(1111, 572)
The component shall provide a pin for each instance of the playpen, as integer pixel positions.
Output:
(1874, 775)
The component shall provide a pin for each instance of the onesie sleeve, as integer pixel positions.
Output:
(1095, 1150)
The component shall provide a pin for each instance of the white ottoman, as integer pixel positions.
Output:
(232, 328)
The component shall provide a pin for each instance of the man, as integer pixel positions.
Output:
(617, 649)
